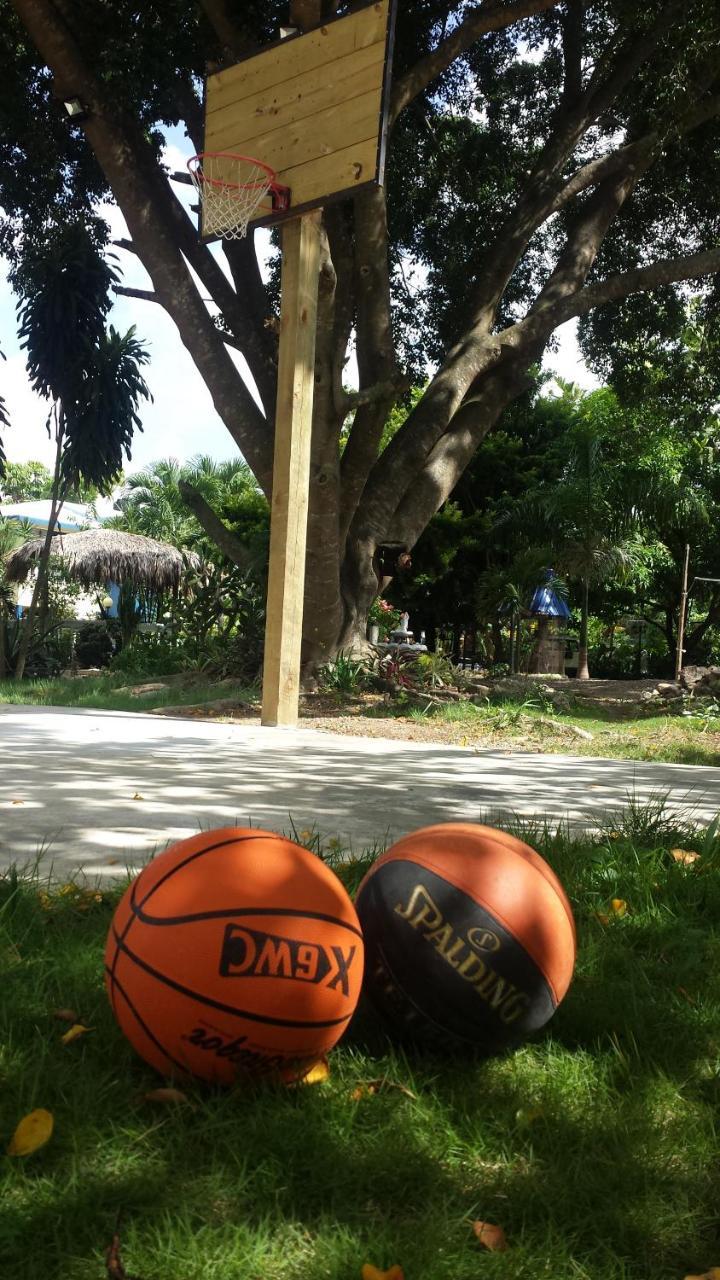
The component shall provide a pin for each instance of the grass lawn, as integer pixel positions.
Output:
(110, 692)
(595, 1147)
(623, 735)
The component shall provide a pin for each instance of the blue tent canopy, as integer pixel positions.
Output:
(546, 603)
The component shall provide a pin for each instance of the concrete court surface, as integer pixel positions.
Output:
(98, 791)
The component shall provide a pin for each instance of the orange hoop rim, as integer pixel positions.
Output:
(194, 165)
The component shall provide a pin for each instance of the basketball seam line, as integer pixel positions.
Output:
(217, 1004)
(145, 1027)
(199, 853)
(133, 889)
(292, 912)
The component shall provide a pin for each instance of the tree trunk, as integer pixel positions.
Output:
(497, 640)
(56, 503)
(583, 672)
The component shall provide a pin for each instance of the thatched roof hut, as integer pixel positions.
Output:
(107, 555)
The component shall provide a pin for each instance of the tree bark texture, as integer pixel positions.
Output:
(360, 498)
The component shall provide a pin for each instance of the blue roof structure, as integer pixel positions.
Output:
(546, 603)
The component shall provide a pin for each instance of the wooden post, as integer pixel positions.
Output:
(291, 471)
(683, 610)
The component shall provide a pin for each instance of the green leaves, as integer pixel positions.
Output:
(105, 412)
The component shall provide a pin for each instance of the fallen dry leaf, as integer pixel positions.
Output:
(686, 857)
(33, 1132)
(369, 1272)
(600, 915)
(137, 796)
(65, 1015)
(490, 1236)
(317, 1074)
(79, 1029)
(712, 1274)
(165, 1095)
(691, 1000)
(370, 1087)
(619, 907)
(17, 801)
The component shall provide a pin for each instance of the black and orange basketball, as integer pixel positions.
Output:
(234, 952)
(468, 937)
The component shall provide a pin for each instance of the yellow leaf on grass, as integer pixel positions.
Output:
(712, 1274)
(165, 1095)
(33, 1132)
(369, 1088)
(619, 906)
(369, 1272)
(490, 1236)
(317, 1074)
(77, 1030)
(526, 1116)
(686, 857)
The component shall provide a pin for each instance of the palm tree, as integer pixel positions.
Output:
(91, 376)
(169, 500)
(593, 539)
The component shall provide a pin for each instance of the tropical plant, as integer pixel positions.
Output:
(344, 674)
(91, 376)
(166, 499)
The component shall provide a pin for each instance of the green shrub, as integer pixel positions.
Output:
(344, 675)
(149, 654)
(94, 645)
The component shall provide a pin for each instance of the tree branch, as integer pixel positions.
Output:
(572, 40)
(491, 16)
(544, 184)
(381, 391)
(145, 295)
(153, 216)
(377, 362)
(218, 14)
(310, 13)
(692, 266)
(224, 538)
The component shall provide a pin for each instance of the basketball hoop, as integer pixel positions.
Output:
(231, 190)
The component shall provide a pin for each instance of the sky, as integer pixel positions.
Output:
(181, 422)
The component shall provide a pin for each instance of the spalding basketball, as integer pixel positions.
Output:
(468, 937)
(235, 952)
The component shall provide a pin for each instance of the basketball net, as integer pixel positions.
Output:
(231, 190)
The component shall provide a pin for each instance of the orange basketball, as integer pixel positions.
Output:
(235, 952)
(469, 936)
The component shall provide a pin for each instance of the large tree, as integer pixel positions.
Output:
(545, 160)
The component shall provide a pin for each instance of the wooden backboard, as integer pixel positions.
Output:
(313, 107)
